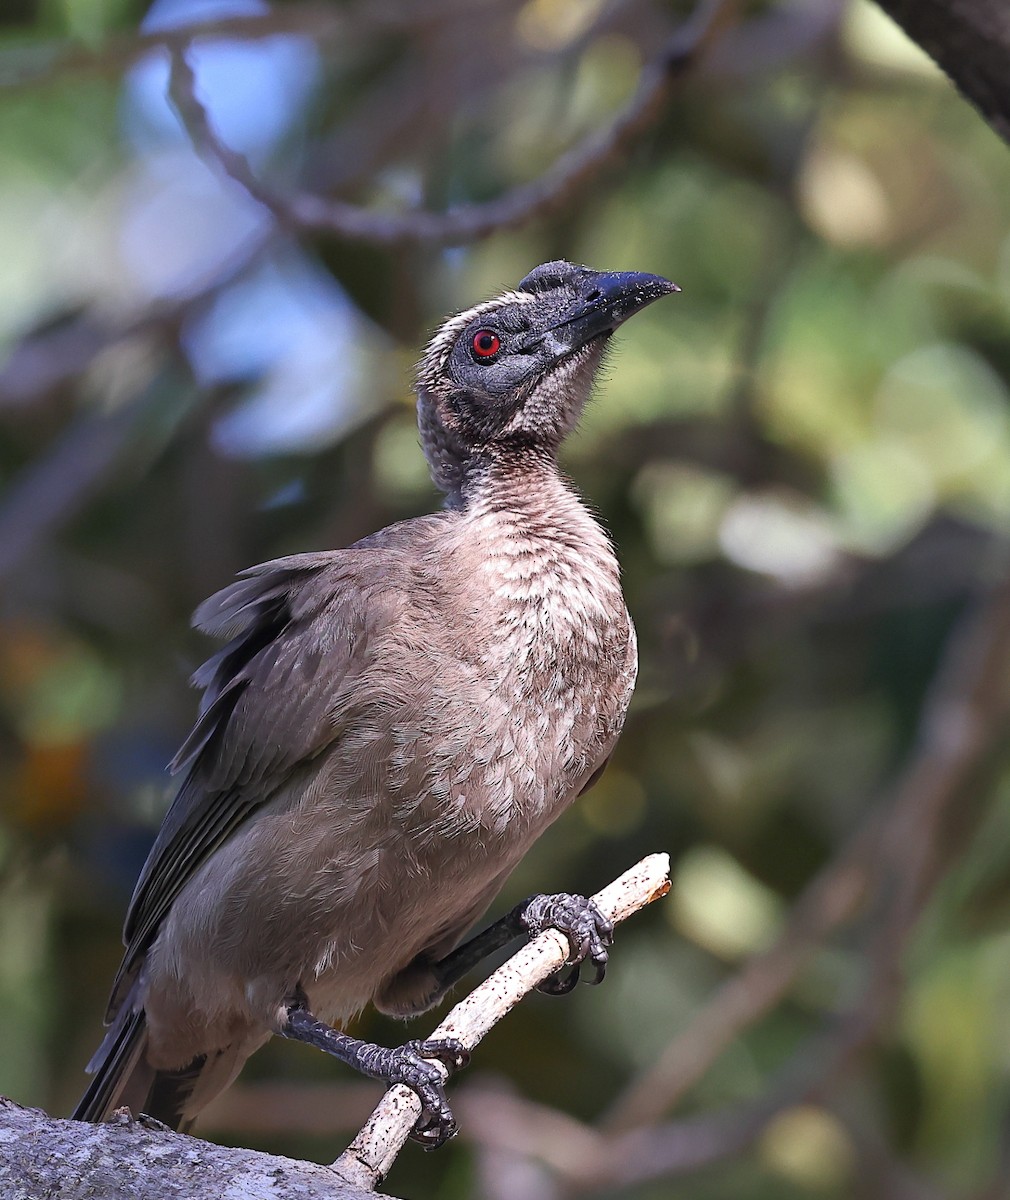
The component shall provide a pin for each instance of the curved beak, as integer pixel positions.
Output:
(605, 300)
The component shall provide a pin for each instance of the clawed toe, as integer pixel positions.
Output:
(434, 1134)
(450, 1052)
(410, 1064)
(560, 984)
(589, 934)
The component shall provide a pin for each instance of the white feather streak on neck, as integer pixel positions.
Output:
(550, 563)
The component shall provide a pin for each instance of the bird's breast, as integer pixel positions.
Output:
(551, 656)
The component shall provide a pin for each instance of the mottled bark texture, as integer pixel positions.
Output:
(970, 40)
(125, 1160)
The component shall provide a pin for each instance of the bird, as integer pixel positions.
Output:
(385, 732)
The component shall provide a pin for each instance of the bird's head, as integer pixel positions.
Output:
(512, 375)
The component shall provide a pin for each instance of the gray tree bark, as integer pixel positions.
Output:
(970, 40)
(46, 1159)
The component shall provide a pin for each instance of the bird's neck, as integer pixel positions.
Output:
(509, 477)
(539, 564)
(522, 499)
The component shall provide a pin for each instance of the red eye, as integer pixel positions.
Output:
(486, 344)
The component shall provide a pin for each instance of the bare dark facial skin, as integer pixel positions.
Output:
(499, 351)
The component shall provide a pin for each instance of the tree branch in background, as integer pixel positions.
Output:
(970, 40)
(900, 850)
(52, 490)
(470, 222)
(40, 64)
(829, 900)
(79, 464)
(881, 1173)
(43, 361)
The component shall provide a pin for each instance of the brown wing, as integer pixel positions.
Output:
(299, 629)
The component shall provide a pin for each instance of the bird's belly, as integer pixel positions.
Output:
(337, 910)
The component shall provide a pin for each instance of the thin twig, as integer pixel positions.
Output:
(367, 1160)
(470, 222)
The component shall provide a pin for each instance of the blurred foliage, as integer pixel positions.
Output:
(804, 459)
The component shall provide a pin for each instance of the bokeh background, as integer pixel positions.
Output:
(804, 460)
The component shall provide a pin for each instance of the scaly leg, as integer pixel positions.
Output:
(405, 1064)
(588, 931)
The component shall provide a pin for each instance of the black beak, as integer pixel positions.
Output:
(605, 300)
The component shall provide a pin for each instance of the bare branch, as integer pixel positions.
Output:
(367, 1160)
(970, 40)
(466, 223)
(51, 61)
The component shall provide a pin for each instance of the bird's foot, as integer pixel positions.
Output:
(411, 1065)
(588, 931)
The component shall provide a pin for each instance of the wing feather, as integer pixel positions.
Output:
(299, 632)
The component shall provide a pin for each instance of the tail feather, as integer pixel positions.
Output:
(170, 1094)
(123, 1077)
(121, 1074)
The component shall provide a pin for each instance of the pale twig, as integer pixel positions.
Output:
(469, 222)
(367, 1160)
